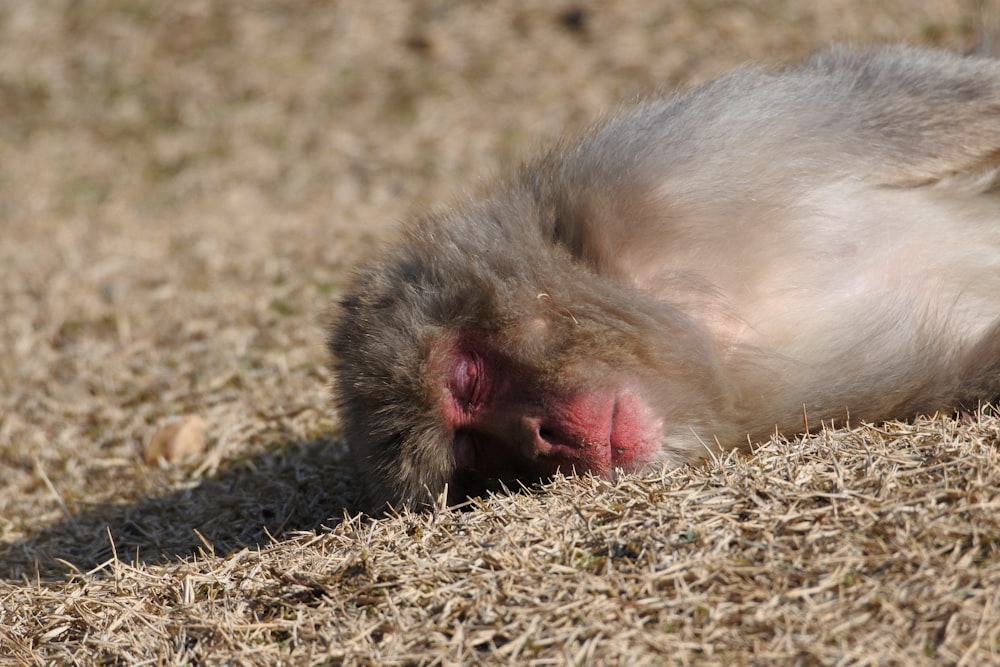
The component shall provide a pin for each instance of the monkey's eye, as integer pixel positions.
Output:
(466, 376)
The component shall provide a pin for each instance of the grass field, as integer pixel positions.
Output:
(184, 186)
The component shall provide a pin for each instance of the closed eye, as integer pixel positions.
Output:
(466, 375)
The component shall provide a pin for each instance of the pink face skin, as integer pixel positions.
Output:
(506, 427)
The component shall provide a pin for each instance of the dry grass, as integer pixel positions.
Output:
(866, 546)
(182, 188)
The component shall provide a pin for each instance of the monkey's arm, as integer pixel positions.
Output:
(912, 116)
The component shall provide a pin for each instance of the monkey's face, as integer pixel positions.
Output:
(508, 422)
(482, 419)
(557, 387)
(457, 365)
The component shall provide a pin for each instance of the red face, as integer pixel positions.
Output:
(507, 427)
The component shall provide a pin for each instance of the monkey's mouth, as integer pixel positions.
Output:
(616, 431)
(484, 464)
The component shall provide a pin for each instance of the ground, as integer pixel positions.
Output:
(184, 187)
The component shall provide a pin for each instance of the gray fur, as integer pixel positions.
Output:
(825, 235)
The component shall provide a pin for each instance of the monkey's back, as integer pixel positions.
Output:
(835, 224)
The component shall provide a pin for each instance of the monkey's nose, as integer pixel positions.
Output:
(547, 441)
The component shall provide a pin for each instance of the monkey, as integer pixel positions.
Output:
(690, 276)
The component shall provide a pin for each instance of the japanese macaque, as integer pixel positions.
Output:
(691, 276)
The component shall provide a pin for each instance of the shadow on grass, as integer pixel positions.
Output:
(296, 486)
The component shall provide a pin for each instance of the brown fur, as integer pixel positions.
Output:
(825, 236)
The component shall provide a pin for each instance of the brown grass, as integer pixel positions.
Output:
(184, 185)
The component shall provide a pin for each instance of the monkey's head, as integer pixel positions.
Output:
(479, 352)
